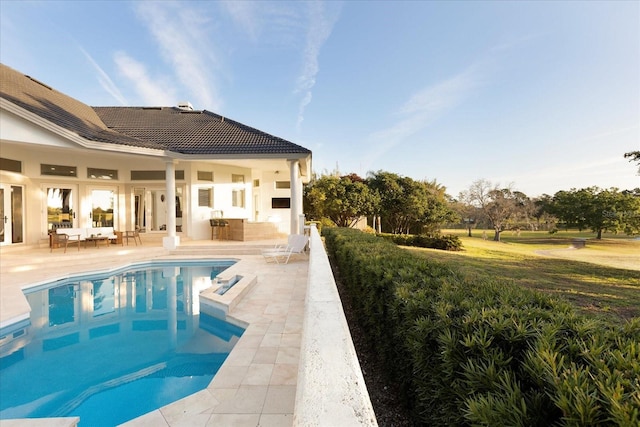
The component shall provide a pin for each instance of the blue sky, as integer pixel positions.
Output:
(544, 96)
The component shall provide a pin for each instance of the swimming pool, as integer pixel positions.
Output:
(109, 348)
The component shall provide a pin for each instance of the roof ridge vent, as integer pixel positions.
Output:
(185, 105)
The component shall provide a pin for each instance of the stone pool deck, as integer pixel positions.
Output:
(259, 384)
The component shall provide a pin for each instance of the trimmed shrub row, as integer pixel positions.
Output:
(447, 243)
(486, 352)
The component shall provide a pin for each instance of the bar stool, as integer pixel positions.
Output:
(223, 230)
(214, 228)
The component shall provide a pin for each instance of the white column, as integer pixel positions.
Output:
(296, 195)
(171, 241)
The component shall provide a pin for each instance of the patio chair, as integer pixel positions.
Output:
(297, 244)
(63, 240)
(132, 234)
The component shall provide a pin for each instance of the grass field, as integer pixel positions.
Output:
(603, 278)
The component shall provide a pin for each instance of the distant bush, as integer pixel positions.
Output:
(486, 352)
(447, 243)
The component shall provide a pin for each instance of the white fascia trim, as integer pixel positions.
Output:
(74, 137)
(265, 156)
(305, 158)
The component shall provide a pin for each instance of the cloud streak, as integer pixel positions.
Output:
(152, 92)
(182, 37)
(421, 110)
(105, 81)
(322, 18)
(285, 25)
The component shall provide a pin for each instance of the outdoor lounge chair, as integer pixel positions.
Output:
(297, 244)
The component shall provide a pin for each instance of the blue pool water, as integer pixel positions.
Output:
(111, 348)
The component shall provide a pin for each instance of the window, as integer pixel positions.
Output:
(237, 179)
(283, 184)
(58, 170)
(237, 198)
(10, 165)
(256, 183)
(205, 197)
(280, 203)
(95, 173)
(205, 176)
(153, 175)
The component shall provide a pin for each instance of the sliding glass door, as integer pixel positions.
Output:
(103, 208)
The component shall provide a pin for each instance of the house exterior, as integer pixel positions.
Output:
(161, 170)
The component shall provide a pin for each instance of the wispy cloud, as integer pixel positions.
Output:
(322, 18)
(286, 24)
(183, 38)
(246, 15)
(421, 110)
(152, 92)
(105, 81)
(429, 104)
(280, 24)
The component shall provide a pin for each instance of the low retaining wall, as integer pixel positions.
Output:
(331, 389)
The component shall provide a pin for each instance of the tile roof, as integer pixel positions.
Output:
(165, 128)
(194, 132)
(60, 109)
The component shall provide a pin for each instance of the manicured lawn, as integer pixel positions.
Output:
(603, 278)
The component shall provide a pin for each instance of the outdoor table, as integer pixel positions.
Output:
(95, 240)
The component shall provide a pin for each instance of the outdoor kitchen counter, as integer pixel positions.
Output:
(244, 230)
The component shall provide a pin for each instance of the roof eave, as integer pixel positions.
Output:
(74, 137)
(238, 156)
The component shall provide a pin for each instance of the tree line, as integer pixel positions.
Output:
(401, 205)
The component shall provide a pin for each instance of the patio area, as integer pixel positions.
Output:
(295, 365)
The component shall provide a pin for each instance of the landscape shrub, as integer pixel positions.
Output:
(448, 243)
(324, 222)
(486, 352)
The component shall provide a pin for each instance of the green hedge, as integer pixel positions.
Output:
(486, 352)
(447, 243)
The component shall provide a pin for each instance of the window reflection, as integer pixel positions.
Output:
(62, 302)
(103, 297)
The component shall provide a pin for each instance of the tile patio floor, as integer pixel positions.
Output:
(256, 386)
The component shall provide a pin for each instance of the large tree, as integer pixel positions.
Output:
(439, 209)
(500, 207)
(344, 199)
(599, 210)
(408, 205)
(468, 214)
(542, 214)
